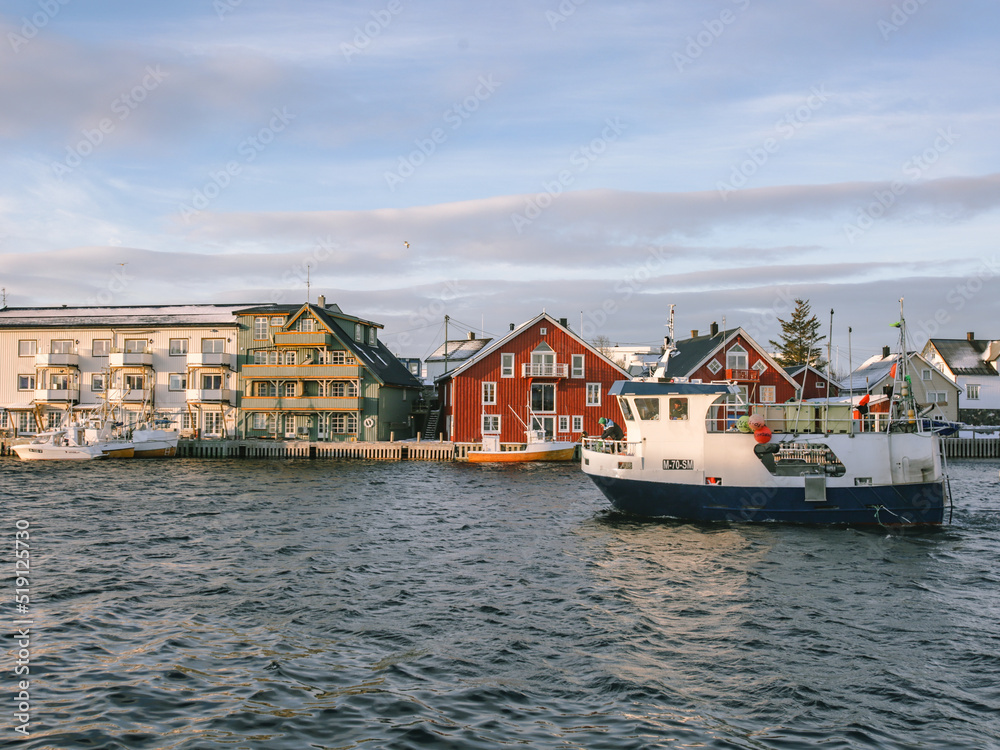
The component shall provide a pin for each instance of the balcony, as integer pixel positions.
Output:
(63, 359)
(210, 359)
(210, 395)
(301, 403)
(303, 372)
(57, 395)
(130, 359)
(547, 370)
(320, 339)
(743, 376)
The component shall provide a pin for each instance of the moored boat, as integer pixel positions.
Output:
(153, 442)
(537, 448)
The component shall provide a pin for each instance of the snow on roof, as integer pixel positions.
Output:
(63, 317)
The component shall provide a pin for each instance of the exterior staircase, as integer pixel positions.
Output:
(430, 431)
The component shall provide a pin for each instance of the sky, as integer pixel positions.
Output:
(596, 160)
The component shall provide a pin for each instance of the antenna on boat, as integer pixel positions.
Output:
(668, 348)
(829, 366)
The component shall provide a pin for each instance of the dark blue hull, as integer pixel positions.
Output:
(903, 505)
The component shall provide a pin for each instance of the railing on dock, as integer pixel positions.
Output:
(971, 447)
(377, 451)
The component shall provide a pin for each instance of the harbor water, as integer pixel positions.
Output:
(227, 604)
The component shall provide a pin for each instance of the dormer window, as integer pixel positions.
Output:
(372, 336)
(307, 324)
(358, 332)
(736, 358)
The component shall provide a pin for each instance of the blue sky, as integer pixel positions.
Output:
(598, 160)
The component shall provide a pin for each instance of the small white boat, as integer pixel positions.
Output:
(537, 448)
(60, 445)
(153, 442)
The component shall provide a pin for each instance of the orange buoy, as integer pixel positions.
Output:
(763, 435)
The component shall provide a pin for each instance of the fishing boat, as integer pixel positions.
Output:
(685, 457)
(152, 441)
(71, 443)
(537, 447)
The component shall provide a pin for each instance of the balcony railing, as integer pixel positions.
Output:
(129, 395)
(210, 359)
(210, 395)
(57, 394)
(300, 403)
(304, 372)
(321, 339)
(544, 370)
(61, 359)
(126, 359)
(743, 376)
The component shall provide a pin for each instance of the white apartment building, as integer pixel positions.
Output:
(177, 362)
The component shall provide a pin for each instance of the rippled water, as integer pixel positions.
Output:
(293, 604)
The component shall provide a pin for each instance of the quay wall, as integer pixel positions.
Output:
(971, 447)
(378, 451)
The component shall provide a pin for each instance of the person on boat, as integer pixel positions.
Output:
(611, 430)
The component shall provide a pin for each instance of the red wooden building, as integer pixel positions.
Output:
(816, 383)
(540, 374)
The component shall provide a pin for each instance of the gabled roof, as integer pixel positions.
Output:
(965, 356)
(875, 369)
(697, 351)
(795, 371)
(496, 345)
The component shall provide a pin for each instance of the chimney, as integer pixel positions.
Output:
(885, 352)
(714, 329)
(694, 333)
(564, 322)
(472, 335)
(512, 326)
(321, 301)
(970, 336)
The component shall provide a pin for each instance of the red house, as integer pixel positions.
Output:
(540, 375)
(813, 383)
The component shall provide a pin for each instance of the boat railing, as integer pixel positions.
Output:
(619, 447)
(798, 418)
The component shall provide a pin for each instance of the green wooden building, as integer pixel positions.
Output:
(311, 372)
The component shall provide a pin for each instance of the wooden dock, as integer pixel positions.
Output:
(426, 450)
(971, 447)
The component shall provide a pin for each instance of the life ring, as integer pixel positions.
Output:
(369, 422)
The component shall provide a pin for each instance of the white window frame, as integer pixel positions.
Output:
(507, 365)
(577, 423)
(100, 351)
(489, 393)
(594, 394)
(261, 329)
(213, 346)
(26, 382)
(768, 394)
(27, 348)
(61, 346)
(714, 367)
(490, 424)
(578, 362)
(937, 397)
(925, 374)
(972, 391)
(372, 336)
(359, 333)
(736, 354)
(177, 347)
(97, 382)
(563, 423)
(177, 381)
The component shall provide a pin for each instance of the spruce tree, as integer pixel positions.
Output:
(799, 339)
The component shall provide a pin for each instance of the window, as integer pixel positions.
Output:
(262, 421)
(542, 331)
(288, 389)
(339, 357)
(714, 366)
(543, 397)
(58, 381)
(4, 422)
(372, 336)
(343, 389)
(358, 332)
(491, 423)
(260, 329)
(27, 348)
(213, 346)
(760, 366)
(577, 423)
(679, 409)
(265, 390)
(135, 346)
(543, 361)
(178, 347)
(24, 423)
(211, 382)
(288, 358)
(97, 382)
(277, 321)
(177, 381)
(489, 393)
(189, 420)
(344, 423)
(62, 346)
(767, 394)
(135, 382)
(26, 382)
(563, 424)
(647, 408)
(260, 357)
(213, 423)
(307, 324)
(506, 365)
(593, 394)
(972, 391)
(820, 385)
(53, 419)
(925, 374)
(937, 397)
(736, 358)
(101, 347)
(626, 410)
(577, 366)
